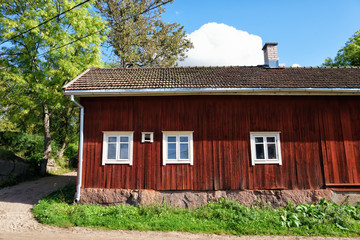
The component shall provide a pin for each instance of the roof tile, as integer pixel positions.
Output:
(216, 77)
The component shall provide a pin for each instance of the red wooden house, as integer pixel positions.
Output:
(218, 132)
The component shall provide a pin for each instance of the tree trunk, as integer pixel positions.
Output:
(47, 141)
(62, 149)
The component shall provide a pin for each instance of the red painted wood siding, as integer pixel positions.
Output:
(320, 141)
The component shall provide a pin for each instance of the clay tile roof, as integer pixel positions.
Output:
(216, 77)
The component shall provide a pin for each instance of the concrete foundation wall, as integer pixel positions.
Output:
(194, 199)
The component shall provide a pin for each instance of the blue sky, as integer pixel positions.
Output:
(307, 31)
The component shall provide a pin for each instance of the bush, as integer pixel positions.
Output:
(71, 150)
(29, 147)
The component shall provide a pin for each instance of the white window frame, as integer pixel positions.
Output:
(277, 147)
(106, 135)
(178, 134)
(143, 137)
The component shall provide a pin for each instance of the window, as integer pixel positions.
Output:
(117, 148)
(147, 137)
(265, 148)
(177, 148)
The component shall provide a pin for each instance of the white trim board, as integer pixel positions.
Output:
(213, 91)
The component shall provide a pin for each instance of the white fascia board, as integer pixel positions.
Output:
(212, 91)
(71, 82)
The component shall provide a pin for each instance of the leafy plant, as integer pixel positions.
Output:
(224, 216)
(290, 219)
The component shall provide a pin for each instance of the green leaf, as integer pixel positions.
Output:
(349, 55)
(138, 35)
(36, 64)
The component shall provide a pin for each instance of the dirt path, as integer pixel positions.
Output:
(17, 222)
(16, 202)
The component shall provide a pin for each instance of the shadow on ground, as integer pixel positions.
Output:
(32, 191)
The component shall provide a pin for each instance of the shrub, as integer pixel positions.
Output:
(71, 150)
(29, 147)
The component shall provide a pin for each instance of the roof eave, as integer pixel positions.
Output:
(212, 91)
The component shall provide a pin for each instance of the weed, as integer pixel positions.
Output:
(224, 216)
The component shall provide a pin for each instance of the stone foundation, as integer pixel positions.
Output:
(346, 197)
(194, 199)
(16, 166)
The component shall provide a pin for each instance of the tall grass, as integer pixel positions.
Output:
(221, 217)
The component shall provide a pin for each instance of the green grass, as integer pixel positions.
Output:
(61, 170)
(222, 217)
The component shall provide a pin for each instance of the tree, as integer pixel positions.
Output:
(39, 56)
(349, 55)
(139, 37)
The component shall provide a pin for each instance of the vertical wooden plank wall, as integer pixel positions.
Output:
(320, 141)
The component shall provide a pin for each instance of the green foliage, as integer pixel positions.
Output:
(324, 213)
(35, 65)
(223, 217)
(138, 35)
(27, 146)
(7, 155)
(5, 124)
(64, 195)
(349, 55)
(30, 149)
(13, 178)
(72, 150)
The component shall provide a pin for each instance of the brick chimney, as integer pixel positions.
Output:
(271, 59)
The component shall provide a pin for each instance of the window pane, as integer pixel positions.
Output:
(184, 151)
(270, 139)
(172, 151)
(259, 151)
(147, 136)
(124, 151)
(184, 139)
(111, 151)
(111, 139)
(124, 139)
(171, 139)
(259, 139)
(271, 151)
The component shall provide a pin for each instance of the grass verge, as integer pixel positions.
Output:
(222, 217)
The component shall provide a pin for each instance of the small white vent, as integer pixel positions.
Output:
(147, 137)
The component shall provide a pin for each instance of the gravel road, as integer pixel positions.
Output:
(17, 222)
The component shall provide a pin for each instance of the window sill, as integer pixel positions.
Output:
(267, 162)
(107, 162)
(177, 162)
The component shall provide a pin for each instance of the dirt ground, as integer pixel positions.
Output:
(17, 222)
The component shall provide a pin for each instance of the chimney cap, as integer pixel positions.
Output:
(269, 43)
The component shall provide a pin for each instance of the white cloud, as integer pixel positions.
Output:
(295, 65)
(222, 45)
